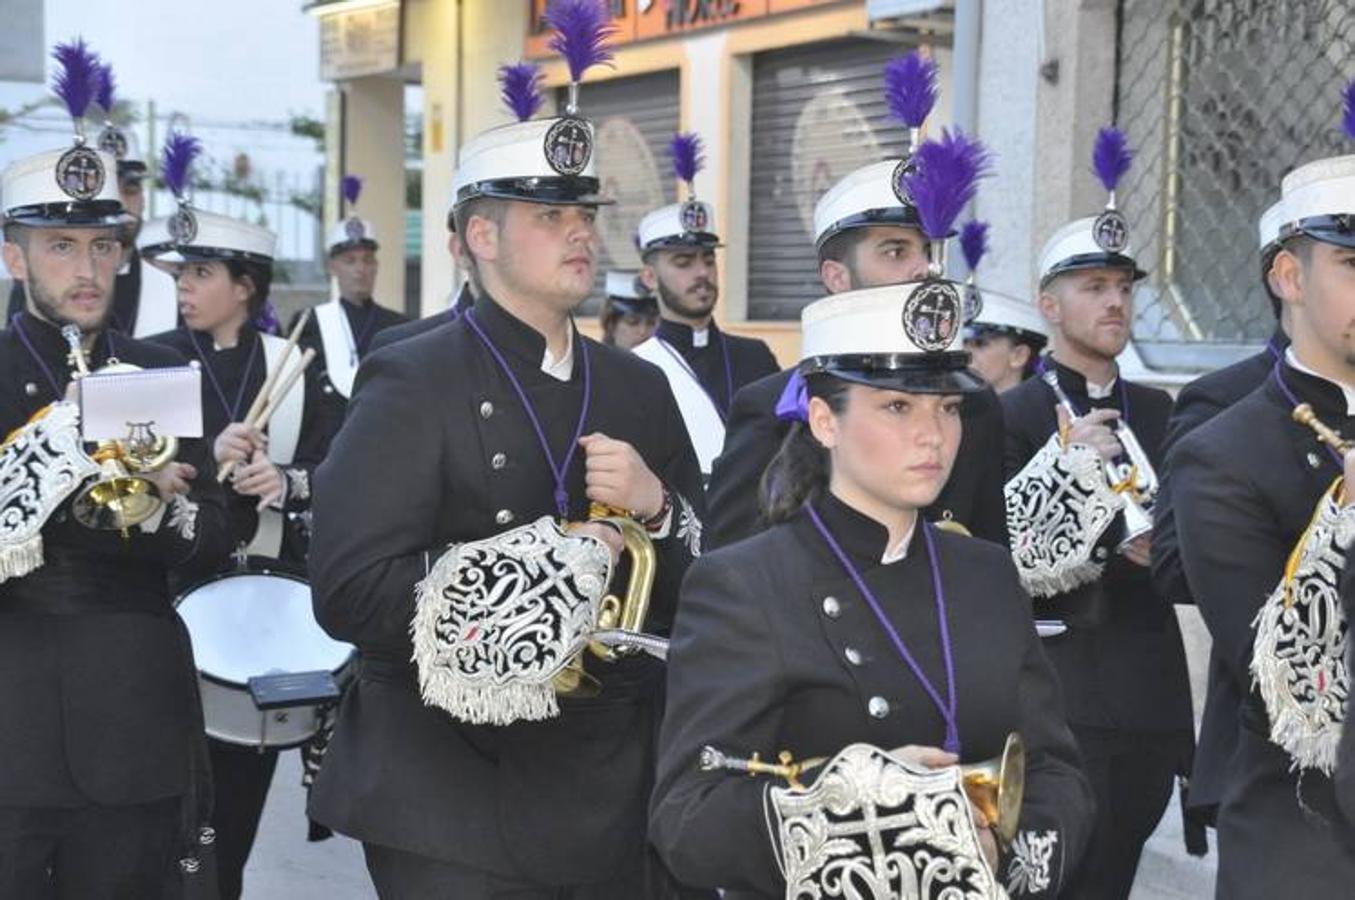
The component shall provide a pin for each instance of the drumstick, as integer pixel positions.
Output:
(277, 401)
(270, 405)
(262, 397)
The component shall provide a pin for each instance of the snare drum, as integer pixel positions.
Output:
(250, 623)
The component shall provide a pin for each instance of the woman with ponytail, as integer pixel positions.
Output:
(869, 650)
(223, 270)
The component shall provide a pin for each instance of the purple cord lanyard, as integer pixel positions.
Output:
(1294, 401)
(232, 411)
(949, 707)
(561, 471)
(18, 327)
(721, 409)
(1043, 367)
(1273, 348)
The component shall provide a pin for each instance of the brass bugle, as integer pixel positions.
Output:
(997, 787)
(1304, 415)
(626, 613)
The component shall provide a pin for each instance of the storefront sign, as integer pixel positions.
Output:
(360, 40)
(638, 20)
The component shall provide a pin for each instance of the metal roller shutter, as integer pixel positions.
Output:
(818, 113)
(635, 119)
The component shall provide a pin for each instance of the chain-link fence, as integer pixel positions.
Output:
(1221, 98)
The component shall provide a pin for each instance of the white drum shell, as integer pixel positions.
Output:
(251, 623)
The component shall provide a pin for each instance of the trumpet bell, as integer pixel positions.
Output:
(997, 787)
(117, 500)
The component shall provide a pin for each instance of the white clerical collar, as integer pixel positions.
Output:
(1347, 390)
(700, 337)
(900, 550)
(1101, 391)
(560, 369)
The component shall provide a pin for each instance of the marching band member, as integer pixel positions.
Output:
(1004, 336)
(866, 236)
(1263, 517)
(100, 756)
(223, 268)
(854, 629)
(1122, 663)
(703, 364)
(475, 440)
(143, 296)
(1198, 402)
(630, 314)
(341, 330)
(1005, 341)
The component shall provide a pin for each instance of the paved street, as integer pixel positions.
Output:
(285, 867)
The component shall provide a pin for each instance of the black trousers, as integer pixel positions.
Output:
(1132, 774)
(89, 853)
(398, 875)
(240, 780)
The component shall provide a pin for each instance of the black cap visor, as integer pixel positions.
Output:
(1334, 229)
(1083, 261)
(640, 306)
(154, 254)
(980, 330)
(564, 190)
(913, 373)
(902, 216)
(688, 240)
(336, 249)
(78, 214)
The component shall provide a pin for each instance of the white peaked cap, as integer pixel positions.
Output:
(1320, 188)
(1003, 312)
(32, 191)
(1268, 226)
(864, 196)
(1074, 247)
(351, 231)
(518, 153)
(623, 284)
(215, 237)
(678, 224)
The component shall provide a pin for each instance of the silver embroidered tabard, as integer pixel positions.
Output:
(1299, 653)
(1030, 870)
(1058, 507)
(40, 466)
(873, 827)
(497, 619)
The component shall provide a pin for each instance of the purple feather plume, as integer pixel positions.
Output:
(351, 187)
(176, 160)
(267, 319)
(520, 88)
(1111, 156)
(689, 156)
(1348, 120)
(946, 179)
(107, 88)
(910, 88)
(582, 29)
(77, 77)
(974, 242)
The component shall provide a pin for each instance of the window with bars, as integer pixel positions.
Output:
(1221, 98)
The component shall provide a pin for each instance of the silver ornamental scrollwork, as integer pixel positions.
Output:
(1030, 870)
(873, 827)
(1058, 506)
(1299, 651)
(40, 466)
(497, 619)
